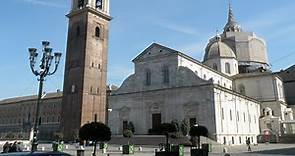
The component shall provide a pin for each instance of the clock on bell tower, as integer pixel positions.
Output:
(84, 92)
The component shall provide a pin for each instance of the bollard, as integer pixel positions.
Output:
(224, 150)
(104, 150)
(80, 152)
(43, 149)
(67, 146)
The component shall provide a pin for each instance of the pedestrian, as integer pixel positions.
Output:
(13, 147)
(19, 147)
(10, 148)
(248, 144)
(6, 147)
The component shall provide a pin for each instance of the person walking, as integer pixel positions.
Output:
(13, 147)
(248, 144)
(6, 147)
(19, 147)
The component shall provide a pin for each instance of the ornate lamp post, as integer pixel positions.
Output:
(44, 71)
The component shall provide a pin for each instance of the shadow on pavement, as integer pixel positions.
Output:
(283, 151)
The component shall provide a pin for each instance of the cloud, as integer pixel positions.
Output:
(44, 3)
(194, 47)
(177, 27)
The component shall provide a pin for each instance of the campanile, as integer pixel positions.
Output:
(84, 92)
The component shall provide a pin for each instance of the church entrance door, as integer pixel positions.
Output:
(156, 121)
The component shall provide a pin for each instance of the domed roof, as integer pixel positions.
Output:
(218, 49)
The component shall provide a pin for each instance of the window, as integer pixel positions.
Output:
(232, 140)
(148, 78)
(165, 74)
(78, 31)
(91, 89)
(230, 115)
(98, 4)
(204, 76)
(73, 89)
(224, 140)
(244, 117)
(240, 140)
(222, 113)
(242, 89)
(227, 68)
(238, 118)
(80, 4)
(215, 66)
(97, 32)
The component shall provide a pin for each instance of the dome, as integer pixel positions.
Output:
(218, 49)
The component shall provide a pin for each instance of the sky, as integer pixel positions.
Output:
(182, 25)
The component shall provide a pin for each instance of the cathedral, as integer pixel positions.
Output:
(232, 91)
(229, 92)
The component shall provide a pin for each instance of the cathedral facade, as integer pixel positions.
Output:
(228, 92)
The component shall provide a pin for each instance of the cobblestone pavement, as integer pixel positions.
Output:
(260, 150)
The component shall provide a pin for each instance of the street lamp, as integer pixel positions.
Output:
(44, 70)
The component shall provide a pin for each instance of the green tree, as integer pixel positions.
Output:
(127, 133)
(58, 136)
(184, 127)
(95, 132)
(196, 132)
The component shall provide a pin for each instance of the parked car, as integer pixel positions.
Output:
(35, 154)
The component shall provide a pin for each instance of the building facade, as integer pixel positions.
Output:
(228, 92)
(170, 86)
(232, 91)
(17, 116)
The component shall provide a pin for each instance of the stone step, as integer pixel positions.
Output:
(155, 140)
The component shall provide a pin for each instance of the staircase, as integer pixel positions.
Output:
(155, 140)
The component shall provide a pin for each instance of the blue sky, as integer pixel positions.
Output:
(183, 25)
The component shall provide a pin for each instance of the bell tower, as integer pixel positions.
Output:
(84, 92)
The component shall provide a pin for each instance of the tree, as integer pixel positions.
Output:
(95, 132)
(198, 131)
(184, 127)
(58, 136)
(129, 131)
(167, 129)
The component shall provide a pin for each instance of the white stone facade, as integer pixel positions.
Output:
(193, 91)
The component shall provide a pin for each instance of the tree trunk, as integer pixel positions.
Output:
(94, 150)
(167, 142)
(199, 142)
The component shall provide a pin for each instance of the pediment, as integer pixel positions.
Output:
(154, 50)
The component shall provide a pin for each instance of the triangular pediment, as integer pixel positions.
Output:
(154, 50)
